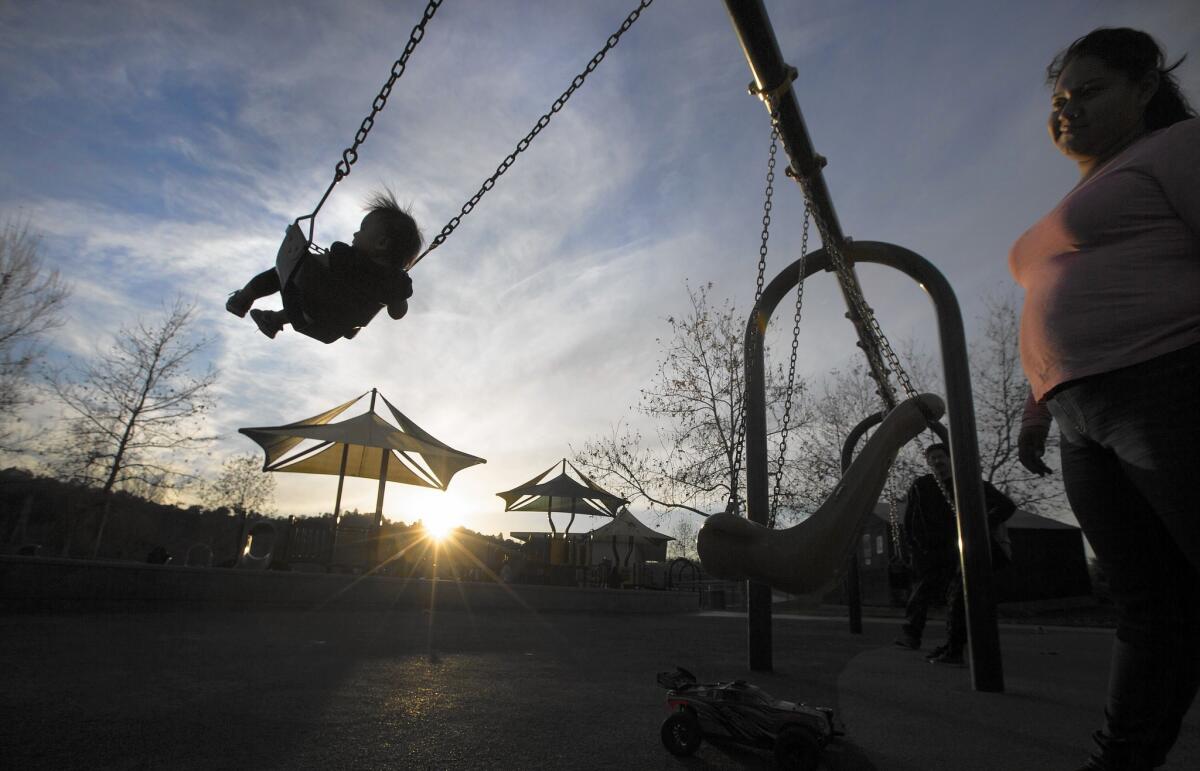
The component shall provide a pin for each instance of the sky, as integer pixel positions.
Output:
(161, 147)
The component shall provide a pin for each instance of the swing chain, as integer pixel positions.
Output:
(541, 123)
(418, 32)
(878, 340)
(766, 218)
(894, 526)
(350, 154)
(739, 441)
(791, 381)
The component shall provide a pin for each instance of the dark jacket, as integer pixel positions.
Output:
(930, 528)
(334, 295)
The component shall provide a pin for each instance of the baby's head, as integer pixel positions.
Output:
(388, 234)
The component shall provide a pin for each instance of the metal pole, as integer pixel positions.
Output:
(772, 77)
(383, 472)
(758, 595)
(337, 503)
(853, 586)
(983, 635)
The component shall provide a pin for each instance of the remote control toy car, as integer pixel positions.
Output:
(740, 712)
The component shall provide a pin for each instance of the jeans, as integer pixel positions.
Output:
(929, 585)
(1130, 465)
(956, 615)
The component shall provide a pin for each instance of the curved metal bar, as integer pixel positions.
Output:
(853, 587)
(855, 434)
(681, 563)
(986, 669)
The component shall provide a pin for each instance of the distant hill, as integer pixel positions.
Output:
(60, 519)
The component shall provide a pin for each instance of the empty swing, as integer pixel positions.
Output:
(809, 557)
(330, 294)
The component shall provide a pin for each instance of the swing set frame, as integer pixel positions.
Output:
(773, 83)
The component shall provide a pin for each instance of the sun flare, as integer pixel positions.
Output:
(439, 526)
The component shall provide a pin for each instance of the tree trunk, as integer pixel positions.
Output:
(103, 522)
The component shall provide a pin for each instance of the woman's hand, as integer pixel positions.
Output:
(1031, 446)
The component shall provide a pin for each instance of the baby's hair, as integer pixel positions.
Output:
(399, 224)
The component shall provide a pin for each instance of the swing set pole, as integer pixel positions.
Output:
(772, 80)
(773, 84)
(772, 77)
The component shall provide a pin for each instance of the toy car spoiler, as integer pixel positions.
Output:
(673, 681)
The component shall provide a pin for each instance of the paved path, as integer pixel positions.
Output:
(407, 689)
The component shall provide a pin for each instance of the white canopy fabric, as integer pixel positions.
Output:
(562, 494)
(414, 456)
(626, 526)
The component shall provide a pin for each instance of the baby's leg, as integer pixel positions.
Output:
(269, 322)
(262, 285)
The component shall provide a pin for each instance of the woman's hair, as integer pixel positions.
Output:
(1133, 53)
(399, 224)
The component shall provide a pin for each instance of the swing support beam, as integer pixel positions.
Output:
(772, 80)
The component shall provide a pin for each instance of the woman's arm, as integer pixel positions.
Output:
(1178, 171)
(1031, 441)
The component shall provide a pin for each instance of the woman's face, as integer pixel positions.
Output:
(1096, 110)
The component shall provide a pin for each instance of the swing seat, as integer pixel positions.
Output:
(809, 557)
(292, 254)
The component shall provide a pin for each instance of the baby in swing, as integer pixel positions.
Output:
(333, 295)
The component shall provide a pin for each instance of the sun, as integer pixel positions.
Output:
(439, 526)
(440, 512)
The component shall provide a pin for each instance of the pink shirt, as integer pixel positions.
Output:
(1112, 273)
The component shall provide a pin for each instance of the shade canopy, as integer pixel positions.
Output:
(414, 456)
(626, 526)
(547, 494)
(563, 494)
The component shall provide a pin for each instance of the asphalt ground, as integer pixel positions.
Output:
(411, 689)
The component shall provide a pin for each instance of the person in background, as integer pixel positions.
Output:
(931, 531)
(1000, 509)
(1110, 344)
(931, 535)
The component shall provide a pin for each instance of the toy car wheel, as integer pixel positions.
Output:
(797, 749)
(681, 733)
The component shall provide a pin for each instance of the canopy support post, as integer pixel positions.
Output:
(383, 471)
(337, 502)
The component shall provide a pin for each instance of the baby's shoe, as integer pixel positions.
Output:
(238, 303)
(268, 322)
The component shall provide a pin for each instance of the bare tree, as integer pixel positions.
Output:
(242, 487)
(696, 403)
(31, 302)
(684, 545)
(842, 399)
(137, 409)
(1000, 388)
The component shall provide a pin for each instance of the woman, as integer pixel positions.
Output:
(1110, 344)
